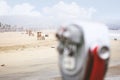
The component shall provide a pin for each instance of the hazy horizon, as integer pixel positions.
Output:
(45, 13)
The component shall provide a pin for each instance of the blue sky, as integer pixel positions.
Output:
(105, 8)
(102, 10)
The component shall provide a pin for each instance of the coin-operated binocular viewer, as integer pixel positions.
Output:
(83, 51)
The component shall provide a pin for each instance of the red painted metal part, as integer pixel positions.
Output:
(98, 69)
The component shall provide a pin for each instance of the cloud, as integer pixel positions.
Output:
(19, 9)
(57, 13)
(70, 11)
(4, 8)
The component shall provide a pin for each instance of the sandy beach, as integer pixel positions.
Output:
(23, 57)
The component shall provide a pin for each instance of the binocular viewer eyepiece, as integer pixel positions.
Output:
(83, 51)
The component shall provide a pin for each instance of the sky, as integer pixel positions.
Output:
(54, 12)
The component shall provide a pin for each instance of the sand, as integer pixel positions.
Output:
(23, 57)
